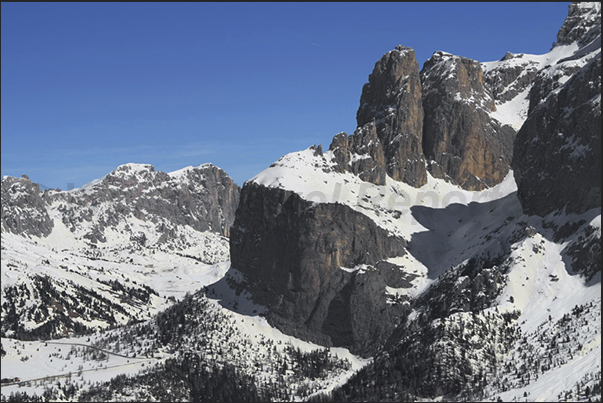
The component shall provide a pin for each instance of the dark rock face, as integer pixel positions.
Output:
(462, 143)
(23, 208)
(584, 252)
(545, 83)
(292, 251)
(558, 149)
(557, 162)
(391, 103)
(361, 153)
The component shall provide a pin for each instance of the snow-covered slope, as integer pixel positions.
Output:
(310, 175)
(511, 78)
(221, 337)
(127, 241)
(50, 291)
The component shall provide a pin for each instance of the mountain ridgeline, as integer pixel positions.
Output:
(204, 198)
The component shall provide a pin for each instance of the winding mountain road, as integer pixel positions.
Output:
(22, 382)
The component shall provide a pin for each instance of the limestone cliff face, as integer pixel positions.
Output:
(391, 105)
(292, 253)
(557, 162)
(461, 141)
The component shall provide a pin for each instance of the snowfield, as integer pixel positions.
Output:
(443, 225)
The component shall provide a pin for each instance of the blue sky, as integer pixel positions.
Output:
(87, 87)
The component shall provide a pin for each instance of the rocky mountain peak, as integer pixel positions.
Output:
(133, 170)
(134, 167)
(582, 25)
(391, 101)
(507, 56)
(129, 175)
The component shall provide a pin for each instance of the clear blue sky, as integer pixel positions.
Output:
(90, 86)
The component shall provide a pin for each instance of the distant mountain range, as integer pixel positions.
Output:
(448, 249)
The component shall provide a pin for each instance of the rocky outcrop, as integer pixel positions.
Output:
(583, 252)
(514, 75)
(557, 162)
(361, 153)
(582, 25)
(390, 123)
(462, 142)
(319, 268)
(23, 208)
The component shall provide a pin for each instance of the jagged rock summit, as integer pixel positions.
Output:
(388, 139)
(441, 119)
(391, 103)
(582, 25)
